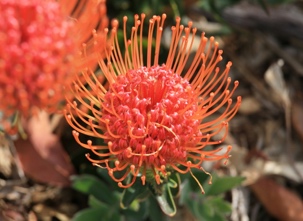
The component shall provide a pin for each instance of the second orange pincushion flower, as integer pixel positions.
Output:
(154, 120)
(39, 44)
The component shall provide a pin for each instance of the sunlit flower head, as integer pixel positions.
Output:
(40, 41)
(35, 53)
(154, 118)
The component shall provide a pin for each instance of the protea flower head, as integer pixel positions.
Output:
(154, 118)
(39, 44)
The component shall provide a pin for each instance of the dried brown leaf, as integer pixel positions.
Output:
(280, 202)
(42, 155)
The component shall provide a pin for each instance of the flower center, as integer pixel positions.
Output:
(150, 117)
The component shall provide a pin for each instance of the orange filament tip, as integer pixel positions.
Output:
(157, 178)
(75, 133)
(128, 152)
(143, 179)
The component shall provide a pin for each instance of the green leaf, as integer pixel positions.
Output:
(155, 213)
(89, 184)
(166, 202)
(205, 210)
(185, 192)
(192, 206)
(221, 206)
(135, 215)
(99, 211)
(130, 194)
(91, 214)
(200, 210)
(218, 217)
(96, 203)
(223, 184)
(103, 174)
(174, 182)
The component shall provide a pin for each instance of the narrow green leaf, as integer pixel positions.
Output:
(222, 206)
(174, 182)
(218, 217)
(192, 206)
(166, 202)
(206, 211)
(155, 212)
(223, 184)
(130, 194)
(136, 215)
(185, 192)
(91, 214)
(199, 210)
(96, 203)
(113, 217)
(89, 184)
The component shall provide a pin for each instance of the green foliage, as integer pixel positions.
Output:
(223, 184)
(90, 185)
(140, 202)
(131, 194)
(166, 201)
(155, 212)
(97, 214)
(212, 206)
(105, 202)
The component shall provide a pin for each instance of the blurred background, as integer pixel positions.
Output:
(263, 180)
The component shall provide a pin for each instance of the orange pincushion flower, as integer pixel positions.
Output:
(36, 49)
(154, 118)
(39, 45)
